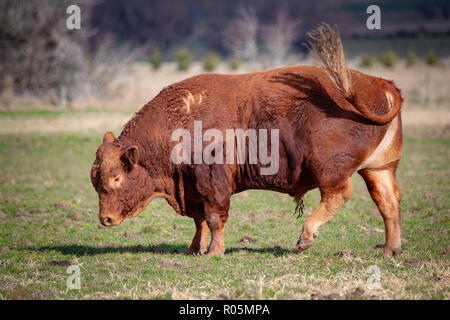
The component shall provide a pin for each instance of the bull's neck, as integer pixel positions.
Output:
(154, 158)
(150, 130)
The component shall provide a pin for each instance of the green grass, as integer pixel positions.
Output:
(48, 219)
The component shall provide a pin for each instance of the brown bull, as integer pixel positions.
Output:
(332, 122)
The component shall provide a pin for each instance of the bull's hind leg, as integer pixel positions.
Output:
(332, 199)
(387, 195)
(199, 244)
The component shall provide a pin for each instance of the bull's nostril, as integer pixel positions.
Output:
(108, 221)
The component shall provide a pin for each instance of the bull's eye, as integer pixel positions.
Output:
(115, 182)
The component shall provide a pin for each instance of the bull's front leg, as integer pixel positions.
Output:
(213, 183)
(216, 223)
(199, 243)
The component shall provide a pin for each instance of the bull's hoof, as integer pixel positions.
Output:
(195, 251)
(304, 244)
(215, 253)
(391, 252)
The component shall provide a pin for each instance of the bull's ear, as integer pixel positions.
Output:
(108, 137)
(130, 157)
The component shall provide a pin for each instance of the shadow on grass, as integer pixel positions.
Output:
(82, 250)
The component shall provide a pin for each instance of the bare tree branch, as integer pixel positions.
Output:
(241, 36)
(279, 37)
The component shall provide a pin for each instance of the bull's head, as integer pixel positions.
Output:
(124, 187)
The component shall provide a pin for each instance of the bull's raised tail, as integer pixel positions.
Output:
(326, 46)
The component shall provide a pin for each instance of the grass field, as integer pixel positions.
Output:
(49, 220)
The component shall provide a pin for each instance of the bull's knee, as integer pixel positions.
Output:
(216, 223)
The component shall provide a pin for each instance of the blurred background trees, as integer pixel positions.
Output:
(241, 34)
(40, 56)
(36, 46)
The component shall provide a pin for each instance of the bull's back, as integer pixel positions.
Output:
(319, 130)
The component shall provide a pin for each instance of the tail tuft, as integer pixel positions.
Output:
(326, 46)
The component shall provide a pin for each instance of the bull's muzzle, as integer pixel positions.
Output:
(109, 220)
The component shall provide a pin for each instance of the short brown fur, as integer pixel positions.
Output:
(325, 137)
